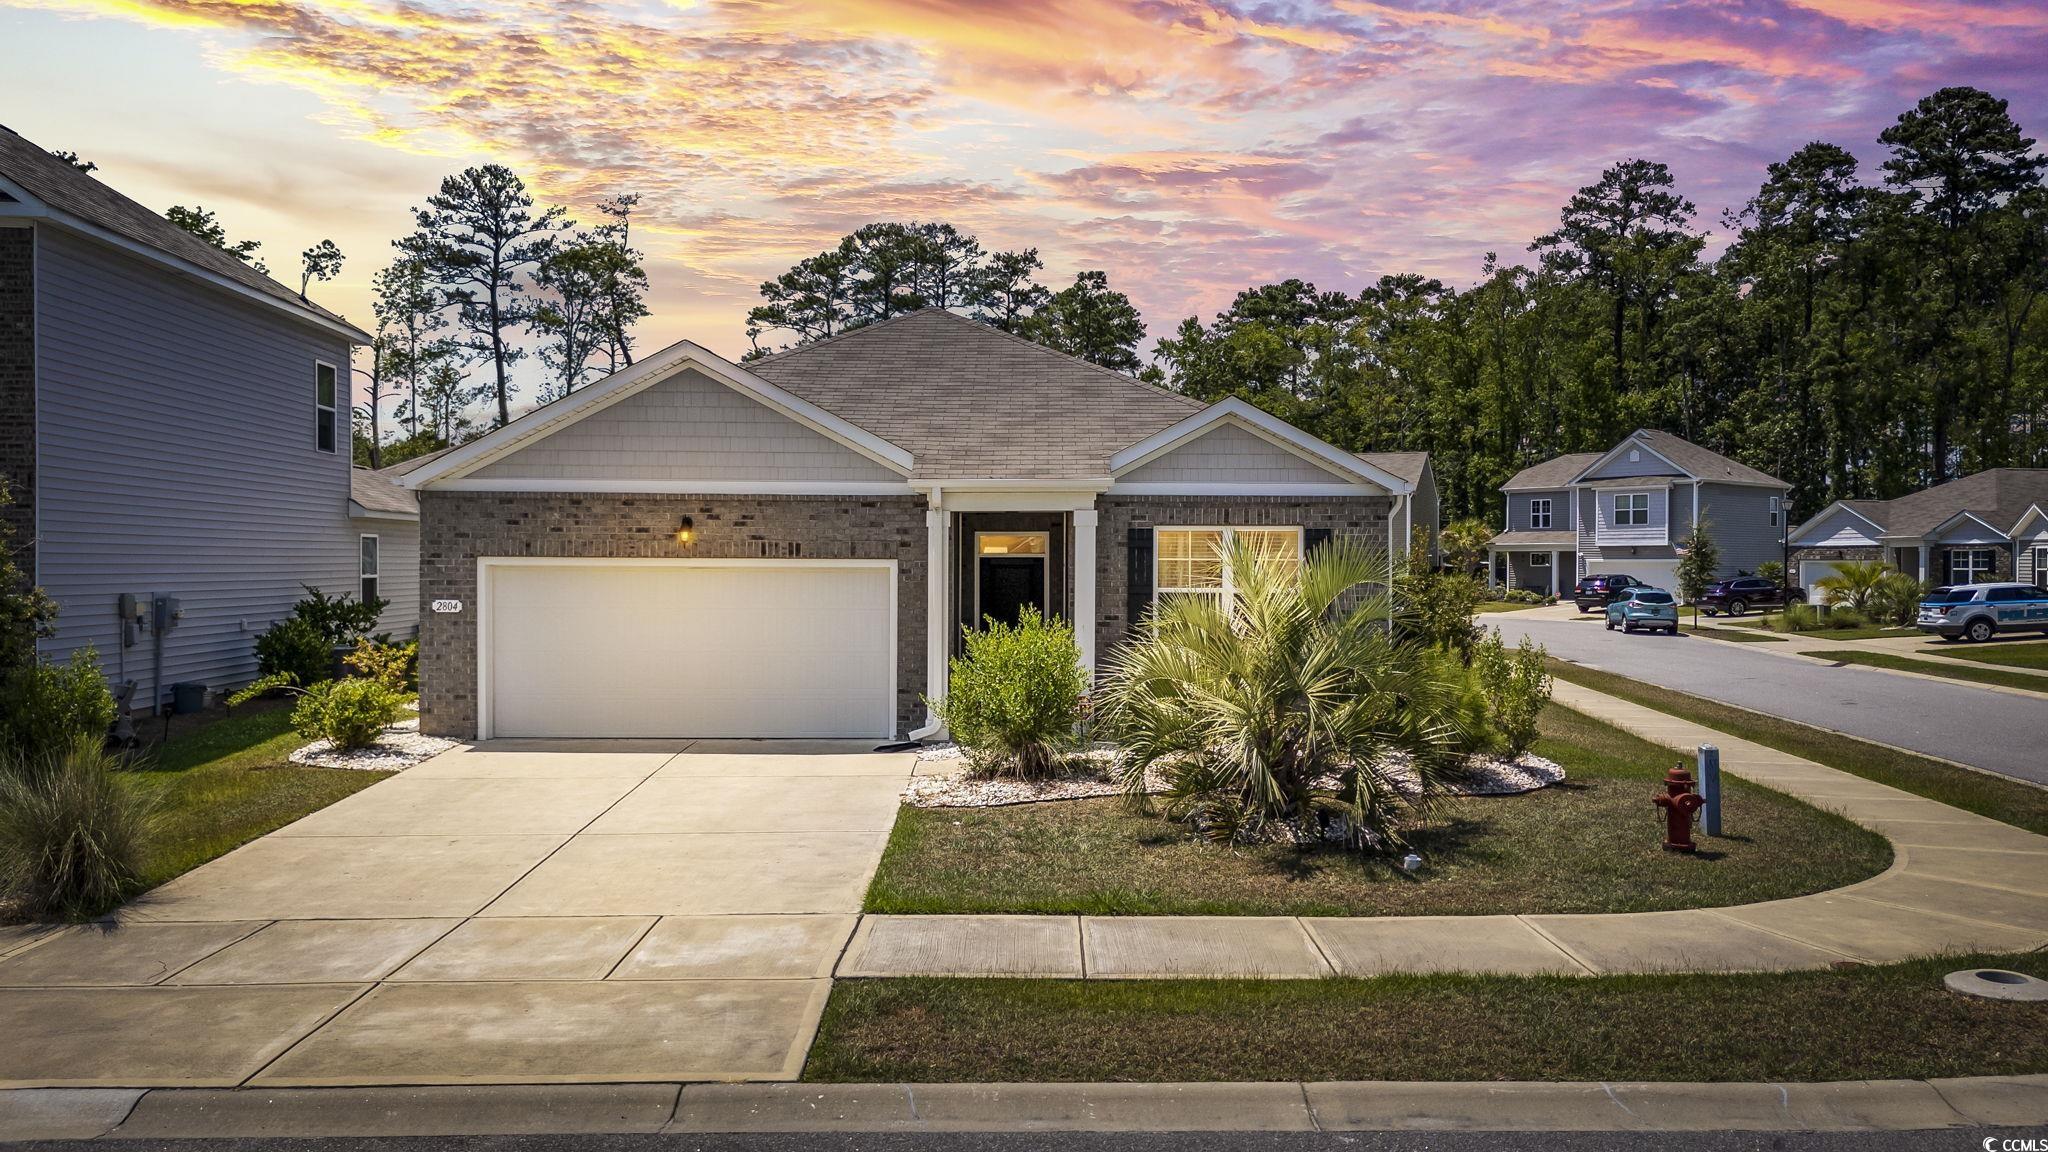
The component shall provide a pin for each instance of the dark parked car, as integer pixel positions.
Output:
(1745, 592)
(1593, 593)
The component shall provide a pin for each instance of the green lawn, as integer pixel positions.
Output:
(2010, 655)
(1503, 606)
(224, 780)
(1871, 632)
(2021, 805)
(1709, 632)
(1589, 845)
(1899, 663)
(1852, 1023)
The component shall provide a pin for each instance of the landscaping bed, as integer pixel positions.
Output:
(1852, 1023)
(1589, 844)
(2021, 805)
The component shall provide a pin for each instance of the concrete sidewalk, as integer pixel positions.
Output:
(1853, 1106)
(1958, 883)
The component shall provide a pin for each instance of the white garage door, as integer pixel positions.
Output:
(771, 649)
(1656, 573)
(1811, 571)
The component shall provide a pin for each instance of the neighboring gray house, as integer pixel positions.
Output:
(173, 423)
(1987, 526)
(791, 547)
(1627, 510)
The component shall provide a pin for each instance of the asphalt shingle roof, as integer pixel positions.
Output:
(1702, 462)
(1408, 466)
(381, 492)
(1556, 472)
(972, 402)
(1997, 496)
(74, 193)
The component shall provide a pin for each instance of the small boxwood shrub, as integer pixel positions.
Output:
(347, 713)
(1014, 700)
(47, 707)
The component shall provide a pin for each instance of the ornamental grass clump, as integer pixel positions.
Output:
(1295, 709)
(1013, 701)
(72, 834)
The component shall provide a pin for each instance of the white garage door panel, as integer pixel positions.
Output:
(685, 650)
(1657, 573)
(1812, 572)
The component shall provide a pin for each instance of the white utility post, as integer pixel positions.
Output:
(1084, 588)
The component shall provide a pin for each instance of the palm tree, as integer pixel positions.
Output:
(1289, 703)
(1464, 544)
(1855, 584)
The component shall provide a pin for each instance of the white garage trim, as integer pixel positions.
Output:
(485, 565)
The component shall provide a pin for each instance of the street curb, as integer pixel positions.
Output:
(1284, 1106)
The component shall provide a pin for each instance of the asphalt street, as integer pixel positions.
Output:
(1996, 731)
(1958, 1139)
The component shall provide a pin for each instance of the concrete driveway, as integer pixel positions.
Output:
(517, 911)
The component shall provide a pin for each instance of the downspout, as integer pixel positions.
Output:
(1401, 502)
(938, 574)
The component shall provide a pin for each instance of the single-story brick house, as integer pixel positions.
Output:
(1986, 526)
(1626, 510)
(791, 548)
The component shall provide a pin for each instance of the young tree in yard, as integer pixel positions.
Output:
(321, 262)
(1464, 545)
(476, 238)
(204, 224)
(1854, 584)
(1697, 567)
(1092, 321)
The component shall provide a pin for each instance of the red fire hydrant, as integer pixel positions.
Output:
(1679, 803)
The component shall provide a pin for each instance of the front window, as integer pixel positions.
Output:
(367, 570)
(326, 393)
(1632, 509)
(1970, 565)
(1539, 513)
(2041, 568)
(1539, 559)
(1190, 561)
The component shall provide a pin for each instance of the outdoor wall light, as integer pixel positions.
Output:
(686, 532)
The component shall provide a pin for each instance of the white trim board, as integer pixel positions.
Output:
(676, 358)
(1270, 428)
(685, 487)
(484, 564)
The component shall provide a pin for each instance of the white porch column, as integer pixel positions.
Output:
(1553, 571)
(1491, 563)
(1924, 573)
(938, 573)
(1084, 588)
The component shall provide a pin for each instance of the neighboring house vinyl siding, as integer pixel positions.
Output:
(398, 579)
(1647, 464)
(1841, 529)
(1519, 507)
(1230, 454)
(176, 438)
(1658, 531)
(1739, 518)
(689, 427)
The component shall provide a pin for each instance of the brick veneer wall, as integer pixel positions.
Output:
(1362, 517)
(458, 527)
(18, 388)
(1863, 552)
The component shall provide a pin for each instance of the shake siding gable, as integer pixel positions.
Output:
(1231, 454)
(176, 439)
(688, 427)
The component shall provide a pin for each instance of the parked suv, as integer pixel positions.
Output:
(1593, 593)
(1643, 607)
(1745, 592)
(1977, 612)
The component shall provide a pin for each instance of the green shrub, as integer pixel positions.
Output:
(1897, 601)
(292, 647)
(1435, 609)
(347, 713)
(72, 835)
(396, 666)
(1517, 687)
(339, 619)
(1771, 570)
(46, 707)
(1809, 618)
(1014, 699)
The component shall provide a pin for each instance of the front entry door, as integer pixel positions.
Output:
(1010, 575)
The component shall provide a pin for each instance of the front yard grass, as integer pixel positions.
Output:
(1895, 1021)
(1587, 845)
(2021, 805)
(1721, 632)
(2010, 655)
(1899, 663)
(227, 781)
(1502, 606)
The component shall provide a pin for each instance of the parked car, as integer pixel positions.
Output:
(1739, 595)
(1594, 592)
(1642, 606)
(1977, 612)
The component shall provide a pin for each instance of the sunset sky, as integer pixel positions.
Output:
(1187, 147)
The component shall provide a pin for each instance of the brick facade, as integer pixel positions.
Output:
(458, 527)
(1365, 518)
(1862, 552)
(18, 388)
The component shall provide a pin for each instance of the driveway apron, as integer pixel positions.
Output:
(515, 911)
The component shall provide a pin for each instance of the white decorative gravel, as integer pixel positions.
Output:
(401, 746)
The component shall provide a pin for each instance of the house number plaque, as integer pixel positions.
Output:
(447, 605)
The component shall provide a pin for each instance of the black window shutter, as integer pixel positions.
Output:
(1314, 538)
(1138, 576)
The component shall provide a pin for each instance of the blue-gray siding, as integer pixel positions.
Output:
(176, 456)
(1739, 518)
(1520, 506)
